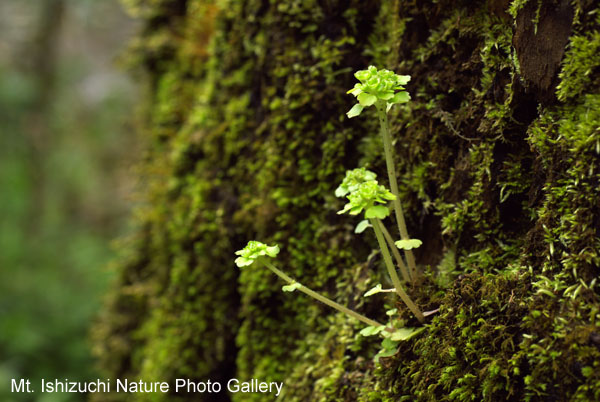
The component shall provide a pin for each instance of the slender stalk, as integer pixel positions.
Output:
(321, 298)
(387, 258)
(396, 253)
(391, 170)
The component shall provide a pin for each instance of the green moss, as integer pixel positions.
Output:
(515, 6)
(248, 140)
(580, 64)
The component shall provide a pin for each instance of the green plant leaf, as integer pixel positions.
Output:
(401, 97)
(355, 210)
(402, 79)
(371, 330)
(357, 90)
(384, 353)
(362, 225)
(243, 262)
(355, 111)
(366, 99)
(347, 208)
(389, 344)
(272, 251)
(375, 290)
(408, 244)
(377, 211)
(389, 348)
(340, 192)
(404, 334)
(291, 287)
(391, 312)
(362, 75)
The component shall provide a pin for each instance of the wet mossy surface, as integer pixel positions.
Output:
(499, 168)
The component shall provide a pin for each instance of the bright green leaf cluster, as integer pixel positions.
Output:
(378, 85)
(252, 251)
(365, 198)
(353, 179)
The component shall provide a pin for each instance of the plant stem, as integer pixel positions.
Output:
(396, 253)
(387, 258)
(391, 170)
(321, 298)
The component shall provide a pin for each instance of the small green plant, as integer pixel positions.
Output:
(383, 89)
(392, 333)
(257, 252)
(372, 198)
(391, 339)
(350, 183)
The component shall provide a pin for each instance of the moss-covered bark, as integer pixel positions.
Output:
(498, 158)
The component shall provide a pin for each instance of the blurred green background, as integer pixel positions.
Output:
(66, 151)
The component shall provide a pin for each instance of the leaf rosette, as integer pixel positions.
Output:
(367, 197)
(253, 251)
(353, 179)
(378, 85)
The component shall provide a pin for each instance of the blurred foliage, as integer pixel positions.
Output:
(63, 181)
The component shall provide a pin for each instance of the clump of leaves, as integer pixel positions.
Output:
(368, 196)
(378, 86)
(353, 179)
(254, 250)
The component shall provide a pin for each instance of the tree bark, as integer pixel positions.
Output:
(498, 170)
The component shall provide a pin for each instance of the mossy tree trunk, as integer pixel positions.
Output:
(498, 155)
